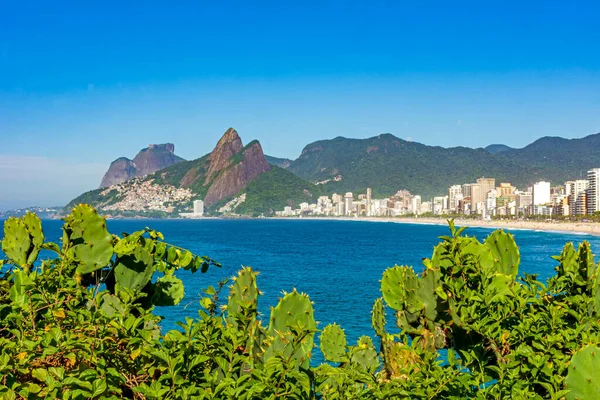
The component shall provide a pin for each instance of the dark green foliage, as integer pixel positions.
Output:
(73, 333)
(276, 189)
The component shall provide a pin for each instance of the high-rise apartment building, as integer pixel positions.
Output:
(541, 193)
(593, 196)
(576, 193)
(198, 207)
(369, 199)
(466, 190)
(454, 193)
(416, 205)
(348, 203)
(477, 196)
(486, 184)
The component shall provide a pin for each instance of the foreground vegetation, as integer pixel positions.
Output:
(79, 324)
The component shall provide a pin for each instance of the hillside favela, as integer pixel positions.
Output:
(299, 200)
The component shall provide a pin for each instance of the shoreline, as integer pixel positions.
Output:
(588, 228)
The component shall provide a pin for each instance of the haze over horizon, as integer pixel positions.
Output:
(81, 85)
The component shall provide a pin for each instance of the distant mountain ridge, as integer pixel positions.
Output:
(149, 160)
(231, 174)
(387, 163)
(280, 162)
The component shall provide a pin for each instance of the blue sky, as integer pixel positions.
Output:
(82, 83)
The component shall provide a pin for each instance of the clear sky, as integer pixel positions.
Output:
(82, 84)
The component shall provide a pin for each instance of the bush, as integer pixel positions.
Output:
(80, 325)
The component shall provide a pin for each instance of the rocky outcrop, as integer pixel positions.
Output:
(235, 176)
(149, 160)
(221, 156)
(120, 170)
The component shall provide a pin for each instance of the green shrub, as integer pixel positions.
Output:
(80, 325)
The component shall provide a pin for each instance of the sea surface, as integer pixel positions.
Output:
(338, 263)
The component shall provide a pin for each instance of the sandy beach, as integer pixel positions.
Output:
(589, 228)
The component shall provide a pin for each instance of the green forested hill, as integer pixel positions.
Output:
(387, 164)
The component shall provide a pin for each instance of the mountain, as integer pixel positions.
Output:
(279, 162)
(387, 163)
(233, 178)
(497, 148)
(557, 159)
(151, 159)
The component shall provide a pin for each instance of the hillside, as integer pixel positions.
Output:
(557, 159)
(227, 173)
(497, 148)
(279, 162)
(151, 159)
(387, 163)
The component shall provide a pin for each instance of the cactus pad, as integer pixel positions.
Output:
(505, 252)
(582, 378)
(333, 343)
(293, 313)
(89, 239)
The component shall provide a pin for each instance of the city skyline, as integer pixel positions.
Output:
(482, 198)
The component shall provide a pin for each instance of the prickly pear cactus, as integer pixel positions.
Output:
(364, 354)
(243, 294)
(582, 379)
(89, 240)
(587, 265)
(378, 318)
(293, 313)
(399, 287)
(34, 228)
(135, 271)
(168, 291)
(17, 242)
(505, 252)
(23, 239)
(333, 343)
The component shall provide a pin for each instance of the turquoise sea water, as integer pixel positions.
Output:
(338, 263)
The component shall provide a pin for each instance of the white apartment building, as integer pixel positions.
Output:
(454, 192)
(198, 208)
(541, 193)
(593, 197)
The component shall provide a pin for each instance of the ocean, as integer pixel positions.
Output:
(337, 263)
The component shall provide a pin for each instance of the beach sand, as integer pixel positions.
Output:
(589, 228)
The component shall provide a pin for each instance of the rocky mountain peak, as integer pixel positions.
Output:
(220, 158)
(249, 162)
(149, 160)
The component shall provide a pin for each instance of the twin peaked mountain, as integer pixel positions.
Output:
(232, 173)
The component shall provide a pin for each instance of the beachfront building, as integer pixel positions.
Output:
(416, 205)
(198, 208)
(541, 196)
(576, 192)
(593, 197)
(524, 200)
(454, 194)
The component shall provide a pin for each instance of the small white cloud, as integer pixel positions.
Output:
(459, 122)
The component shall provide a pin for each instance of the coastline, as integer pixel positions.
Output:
(588, 228)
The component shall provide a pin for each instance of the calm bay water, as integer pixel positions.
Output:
(338, 263)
